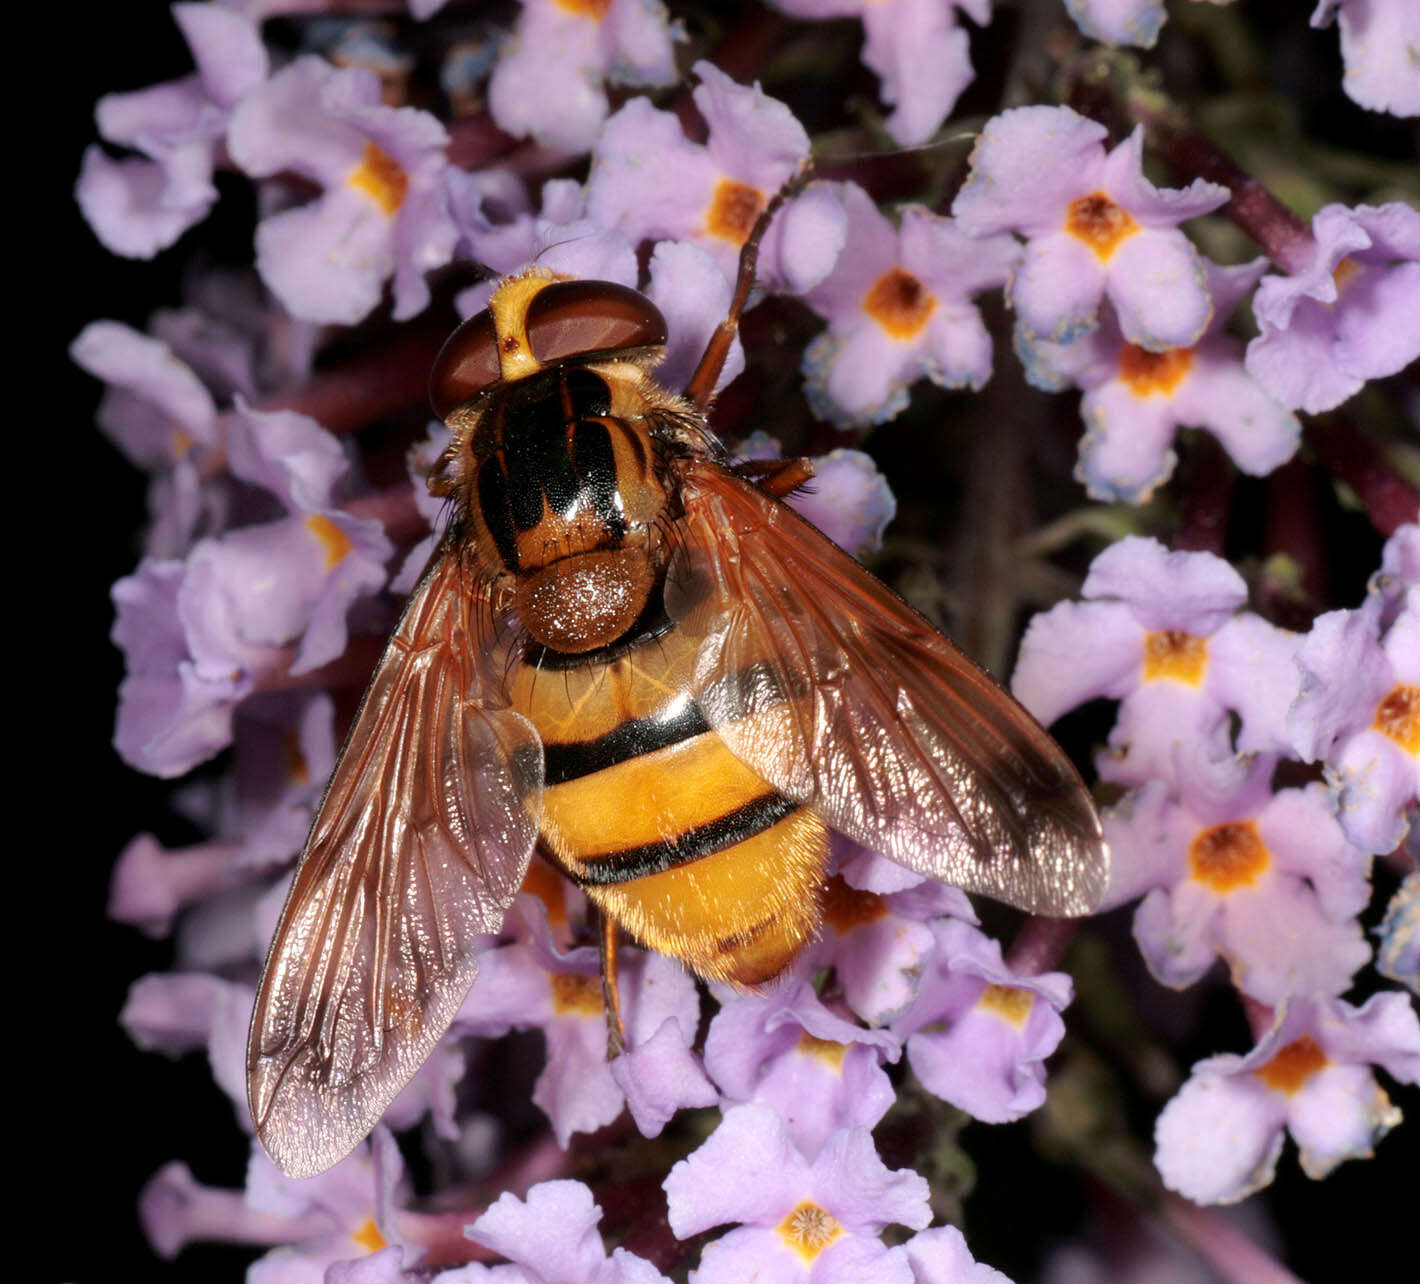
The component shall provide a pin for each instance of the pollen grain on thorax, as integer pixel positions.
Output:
(380, 177)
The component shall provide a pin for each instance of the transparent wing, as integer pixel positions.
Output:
(419, 847)
(840, 695)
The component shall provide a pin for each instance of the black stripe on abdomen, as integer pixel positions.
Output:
(574, 759)
(631, 863)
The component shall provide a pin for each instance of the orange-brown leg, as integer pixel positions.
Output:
(701, 387)
(611, 996)
(779, 477)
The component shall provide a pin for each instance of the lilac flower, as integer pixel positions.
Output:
(978, 1035)
(344, 1213)
(1218, 1140)
(686, 282)
(848, 499)
(898, 309)
(173, 711)
(1265, 881)
(533, 983)
(560, 239)
(1359, 713)
(138, 207)
(548, 81)
(1351, 314)
(235, 338)
(1380, 45)
(1096, 228)
(797, 1220)
(151, 884)
(382, 211)
(1136, 400)
(197, 635)
(1159, 635)
(1398, 955)
(879, 943)
(1119, 22)
(550, 1238)
(816, 1071)
(157, 411)
(916, 50)
(649, 181)
(940, 1256)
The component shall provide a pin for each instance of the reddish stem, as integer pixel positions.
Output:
(1203, 509)
(1286, 238)
(390, 378)
(1235, 1257)
(1348, 454)
(1040, 944)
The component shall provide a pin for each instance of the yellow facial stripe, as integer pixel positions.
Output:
(380, 177)
(509, 306)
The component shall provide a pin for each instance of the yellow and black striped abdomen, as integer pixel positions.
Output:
(665, 829)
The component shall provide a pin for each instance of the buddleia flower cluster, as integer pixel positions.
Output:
(1141, 369)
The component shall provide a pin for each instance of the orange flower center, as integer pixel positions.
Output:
(575, 995)
(1293, 1066)
(824, 1050)
(1171, 654)
(1099, 223)
(335, 541)
(1228, 856)
(1009, 1002)
(379, 176)
(298, 771)
(368, 1236)
(733, 210)
(1398, 716)
(809, 1229)
(1342, 273)
(593, 9)
(845, 908)
(900, 303)
(1153, 372)
(546, 884)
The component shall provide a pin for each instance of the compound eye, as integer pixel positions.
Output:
(465, 366)
(590, 318)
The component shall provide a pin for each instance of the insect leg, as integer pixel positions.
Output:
(611, 995)
(779, 477)
(701, 387)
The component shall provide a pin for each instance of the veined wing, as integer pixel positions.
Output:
(828, 685)
(419, 847)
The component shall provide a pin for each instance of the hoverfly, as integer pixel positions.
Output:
(634, 658)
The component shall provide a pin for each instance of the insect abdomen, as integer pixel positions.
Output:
(666, 830)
